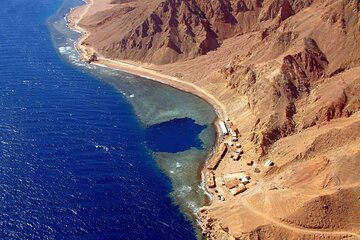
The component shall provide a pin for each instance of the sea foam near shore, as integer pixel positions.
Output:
(155, 103)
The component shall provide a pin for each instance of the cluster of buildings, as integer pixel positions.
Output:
(235, 182)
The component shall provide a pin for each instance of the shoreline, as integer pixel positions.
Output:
(242, 200)
(237, 189)
(141, 71)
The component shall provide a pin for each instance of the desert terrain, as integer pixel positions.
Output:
(284, 77)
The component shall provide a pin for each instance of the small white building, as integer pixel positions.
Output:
(232, 132)
(223, 128)
(268, 163)
(239, 151)
(245, 180)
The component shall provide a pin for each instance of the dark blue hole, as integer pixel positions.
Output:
(177, 135)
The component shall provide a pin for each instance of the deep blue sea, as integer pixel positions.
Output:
(86, 152)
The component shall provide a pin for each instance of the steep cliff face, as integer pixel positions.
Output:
(294, 69)
(304, 67)
(291, 80)
(166, 31)
(160, 32)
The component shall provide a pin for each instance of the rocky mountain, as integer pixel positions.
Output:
(162, 32)
(288, 74)
(309, 65)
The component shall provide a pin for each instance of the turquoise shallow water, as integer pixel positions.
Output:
(77, 160)
(157, 104)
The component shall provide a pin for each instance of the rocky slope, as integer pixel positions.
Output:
(159, 31)
(288, 72)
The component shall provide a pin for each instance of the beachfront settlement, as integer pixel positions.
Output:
(228, 173)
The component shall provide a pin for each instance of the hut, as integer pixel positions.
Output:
(268, 163)
(239, 189)
(239, 151)
(250, 163)
(245, 180)
(236, 157)
(233, 132)
(232, 183)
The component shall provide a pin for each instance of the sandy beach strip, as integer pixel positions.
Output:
(141, 70)
(138, 68)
